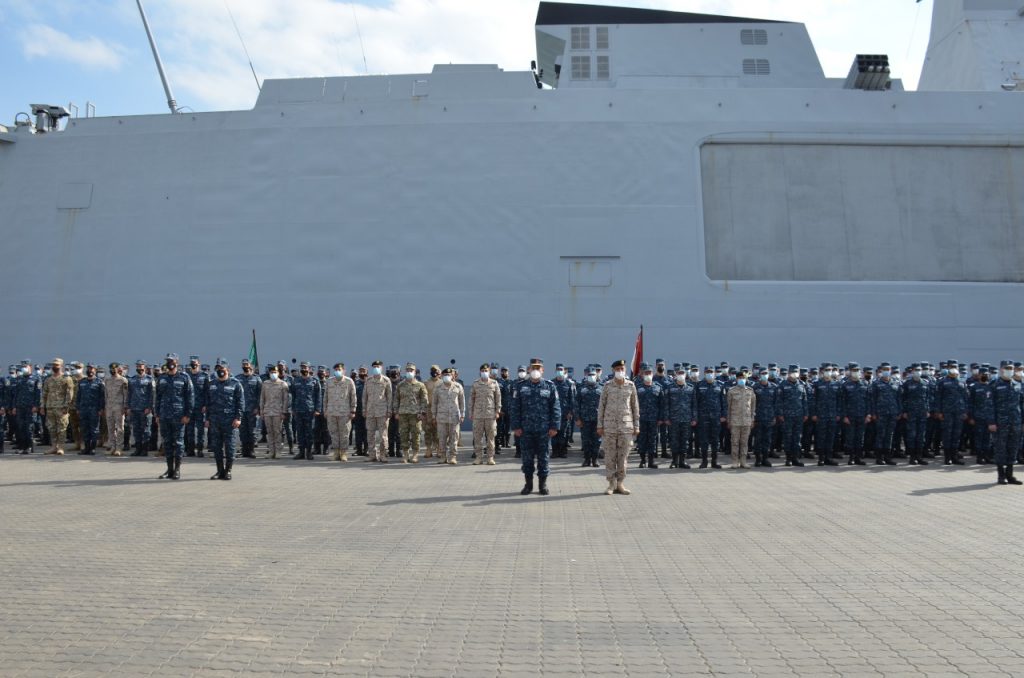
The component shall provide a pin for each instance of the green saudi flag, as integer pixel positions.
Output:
(254, 356)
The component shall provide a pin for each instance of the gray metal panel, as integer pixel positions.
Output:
(818, 212)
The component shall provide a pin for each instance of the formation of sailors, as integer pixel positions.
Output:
(684, 412)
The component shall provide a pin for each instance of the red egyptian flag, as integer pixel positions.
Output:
(638, 352)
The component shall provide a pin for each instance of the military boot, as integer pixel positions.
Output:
(343, 457)
(643, 460)
(653, 463)
(301, 454)
(528, 487)
(620, 489)
(1010, 478)
(309, 454)
(220, 471)
(177, 469)
(1001, 470)
(543, 489)
(169, 473)
(611, 486)
(228, 463)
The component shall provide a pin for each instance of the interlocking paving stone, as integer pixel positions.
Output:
(320, 568)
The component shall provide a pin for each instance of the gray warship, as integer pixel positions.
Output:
(695, 174)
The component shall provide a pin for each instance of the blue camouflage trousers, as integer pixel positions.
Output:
(792, 430)
(536, 451)
(195, 431)
(222, 439)
(140, 429)
(173, 432)
(1006, 444)
(89, 425)
(304, 429)
(917, 426)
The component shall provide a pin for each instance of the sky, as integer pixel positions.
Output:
(62, 51)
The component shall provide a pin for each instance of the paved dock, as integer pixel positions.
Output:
(321, 568)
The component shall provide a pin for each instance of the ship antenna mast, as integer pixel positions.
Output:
(171, 103)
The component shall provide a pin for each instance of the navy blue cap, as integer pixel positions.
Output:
(644, 367)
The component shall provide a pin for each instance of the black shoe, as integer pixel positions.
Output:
(543, 489)
(716, 465)
(921, 462)
(228, 463)
(683, 464)
(831, 462)
(643, 463)
(528, 487)
(177, 469)
(299, 455)
(860, 462)
(169, 473)
(890, 462)
(703, 464)
(789, 463)
(652, 464)
(1010, 479)
(797, 462)
(220, 471)
(959, 462)
(821, 462)
(586, 462)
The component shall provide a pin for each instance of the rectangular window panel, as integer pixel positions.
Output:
(602, 37)
(581, 68)
(603, 70)
(821, 212)
(580, 37)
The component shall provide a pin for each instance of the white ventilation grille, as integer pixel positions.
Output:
(581, 68)
(580, 37)
(756, 67)
(754, 36)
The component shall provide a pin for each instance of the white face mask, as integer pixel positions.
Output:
(917, 374)
(522, 375)
(694, 375)
(648, 379)
(446, 378)
(560, 373)
(410, 375)
(273, 376)
(620, 374)
(884, 374)
(709, 377)
(494, 373)
(954, 373)
(485, 375)
(763, 378)
(535, 374)
(1008, 374)
(592, 378)
(680, 378)
(855, 376)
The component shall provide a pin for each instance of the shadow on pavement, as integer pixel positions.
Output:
(487, 499)
(949, 490)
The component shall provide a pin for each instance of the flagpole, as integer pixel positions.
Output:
(255, 353)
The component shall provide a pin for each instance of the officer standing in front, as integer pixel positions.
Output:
(175, 401)
(536, 417)
(225, 405)
(618, 424)
(1008, 406)
(57, 398)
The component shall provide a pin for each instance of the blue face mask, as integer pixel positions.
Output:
(339, 373)
(741, 382)
(709, 377)
(773, 373)
(375, 371)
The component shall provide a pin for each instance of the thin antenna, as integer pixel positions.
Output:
(171, 103)
(244, 49)
(366, 68)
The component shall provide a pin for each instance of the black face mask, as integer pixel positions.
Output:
(304, 373)
(221, 374)
(140, 371)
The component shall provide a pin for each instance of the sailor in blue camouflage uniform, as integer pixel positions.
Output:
(307, 400)
(917, 407)
(536, 416)
(791, 399)
(567, 399)
(1008, 409)
(588, 397)
(505, 387)
(25, 400)
(711, 410)
(855, 410)
(663, 379)
(681, 412)
(951, 396)
(521, 377)
(886, 408)
(981, 413)
(225, 406)
(652, 413)
(825, 414)
(195, 431)
(765, 417)
(175, 402)
(251, 385)
(141, 396)
(91, 401)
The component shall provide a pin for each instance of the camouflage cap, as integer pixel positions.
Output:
(58, 362)
(221, 362)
